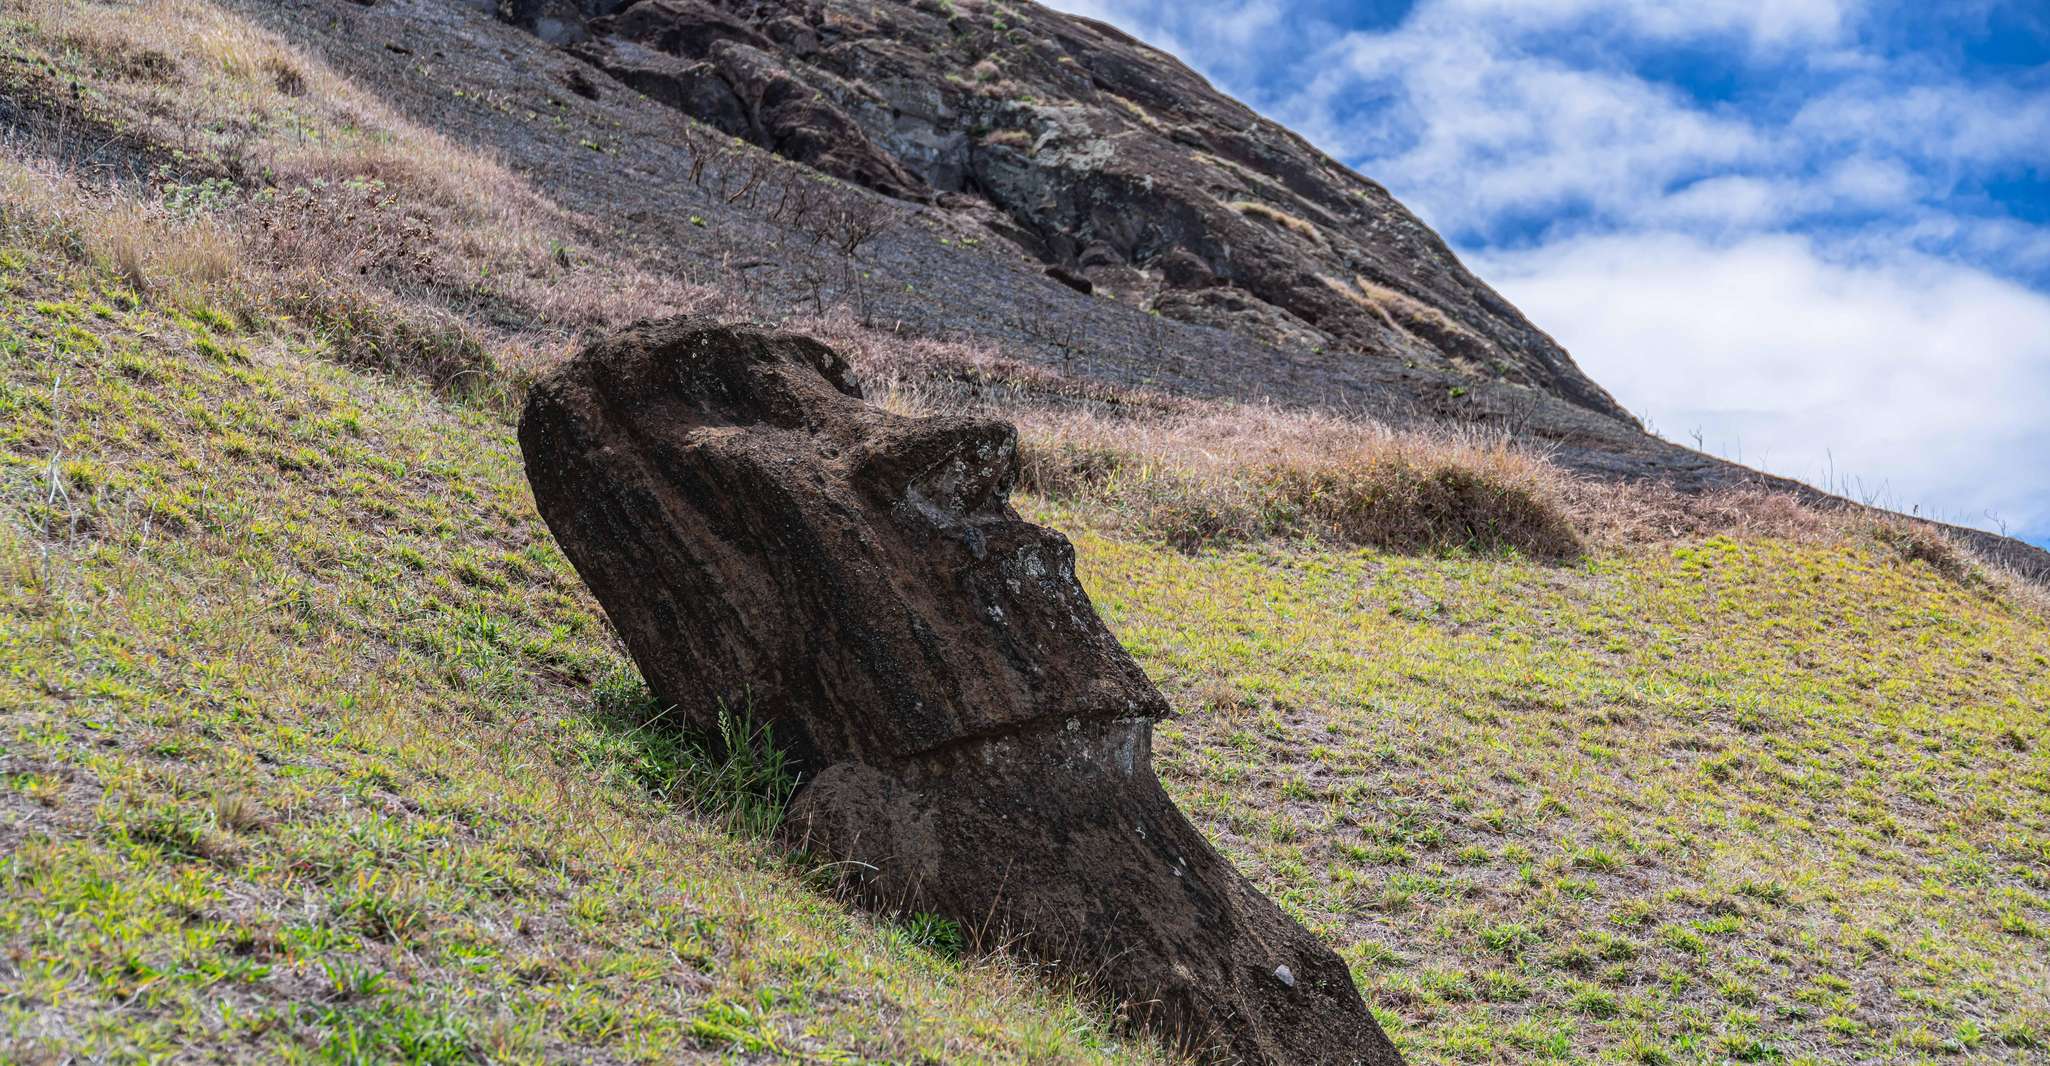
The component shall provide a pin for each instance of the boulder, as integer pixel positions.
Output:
(974, 740)
(1071, 279)
(687, 28)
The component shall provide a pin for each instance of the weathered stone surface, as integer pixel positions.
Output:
(722, 70)
(792, 117)
(554, 21)
(685, 28)
(974, 737)
(1071, 279)
(692, 86)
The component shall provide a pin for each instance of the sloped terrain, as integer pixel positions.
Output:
(1093, 153)
(312, 747)
(1734, 799)
(315, 748)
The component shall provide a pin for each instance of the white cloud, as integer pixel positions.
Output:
(2022, 248)
(1765, 23)
(1478, 119)
(1861, 181)
(1217, 39)
(1955, 124)
(1741, 203)
(1526, 137)
(1790, 270)
(1919, 377)
(1759, 23)
(1476, 133)
(1732, 200)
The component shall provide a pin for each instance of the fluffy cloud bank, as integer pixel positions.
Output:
(1765, 221)
(1911, 382)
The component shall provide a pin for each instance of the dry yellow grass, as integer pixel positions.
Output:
(1301, 227)
(1240, 473)
(361, 221)
(193, 258)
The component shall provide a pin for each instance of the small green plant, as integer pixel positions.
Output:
(738, 777)
(733, 774)
(379, 908)
(1502, 986)
(1508, 938)
(348, 979)
(1592, 1001)
(727, 1024)
(935, 933)
(206, 196)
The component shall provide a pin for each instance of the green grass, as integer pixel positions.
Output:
(313, 749)
(1751, 801)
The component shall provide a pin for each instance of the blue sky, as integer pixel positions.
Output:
(1813, 235)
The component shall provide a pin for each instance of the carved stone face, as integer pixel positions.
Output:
(855, 576)
(975, 741)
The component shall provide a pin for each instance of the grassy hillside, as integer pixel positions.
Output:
(1750, 800)
(313, 748)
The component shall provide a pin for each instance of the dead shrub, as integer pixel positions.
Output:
(285, 75)
(1235, 474)
(848, 220)
(1619, 513)
(376, 333)
(1458, 500)
(1916, 542)
(1066, 468)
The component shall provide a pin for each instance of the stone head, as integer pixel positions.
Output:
(856, 577)
(976, 742)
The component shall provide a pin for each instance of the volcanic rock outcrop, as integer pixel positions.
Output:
(1087, 149)
(975, 740)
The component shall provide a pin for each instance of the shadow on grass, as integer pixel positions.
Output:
(734, 774)
(736, 777)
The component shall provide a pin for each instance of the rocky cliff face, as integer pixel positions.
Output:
(1120, 169)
